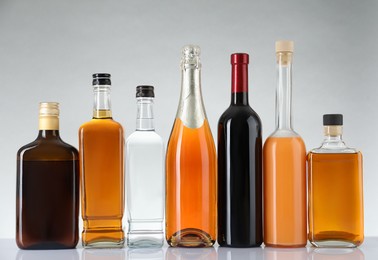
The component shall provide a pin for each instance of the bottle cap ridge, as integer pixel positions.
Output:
(284, 46)
(49, 109)
(239, 58)
(101, 79)
(190, 56)
(333, 119)
(145, 91)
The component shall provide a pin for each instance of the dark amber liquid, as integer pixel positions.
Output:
(47, 196)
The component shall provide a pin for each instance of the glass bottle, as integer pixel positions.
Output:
(47, 198)
(191, 165)
(239, 165)
(101, 153)
(284, 164)
(145, 176)
(336, 210)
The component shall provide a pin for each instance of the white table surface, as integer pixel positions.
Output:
(368, 250)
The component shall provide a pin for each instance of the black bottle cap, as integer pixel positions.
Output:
(145, 91)
(101, 79)
(333, 119)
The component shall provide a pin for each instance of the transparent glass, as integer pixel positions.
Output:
(335, 190)
(145, 181)
(101, 142)
(284, 171)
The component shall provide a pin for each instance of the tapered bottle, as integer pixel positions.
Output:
(145, 176)
(284, 164)
(47, 199)
(239, 165)
(191, 165)
(335, 190)
(101, 151)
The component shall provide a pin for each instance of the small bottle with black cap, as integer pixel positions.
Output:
(335, 192)
(101, 152)
(145, 176)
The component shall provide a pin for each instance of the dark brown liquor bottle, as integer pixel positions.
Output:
(47, 199)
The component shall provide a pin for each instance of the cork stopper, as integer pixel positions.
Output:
(284, 46)
(284, 52)
(333, 124)
(49, 116)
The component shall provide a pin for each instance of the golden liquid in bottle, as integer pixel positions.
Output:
(335, 198)
(285, 220)
(191, 187)
(102, 169)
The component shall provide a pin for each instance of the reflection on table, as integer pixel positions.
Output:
(228, 253)
(103, 254)
(145, 254)
(67, 254)
(191, 253)
(271, 253)
(336, 254)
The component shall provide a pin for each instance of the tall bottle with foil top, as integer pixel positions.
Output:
(47, 200)
(101, 150)
(191, 164)
(284, 165)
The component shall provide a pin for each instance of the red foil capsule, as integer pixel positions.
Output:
(239, 78)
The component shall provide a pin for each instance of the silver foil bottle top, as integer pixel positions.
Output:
(190, 56)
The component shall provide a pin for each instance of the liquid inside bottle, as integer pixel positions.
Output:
(239, 165)
(145, 177)
(191, 165)
(47, 202)
(335, 189)
(284, 153)
(101, 151)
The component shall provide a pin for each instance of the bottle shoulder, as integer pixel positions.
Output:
(45, 149)
(334, 150)
(94, 124)
(144, 137)
(239, 113)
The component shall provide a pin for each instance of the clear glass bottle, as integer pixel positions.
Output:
(47, 198)
(284, 167)
(335, 190)
(101, 152)
(191, 213)
(145, 176)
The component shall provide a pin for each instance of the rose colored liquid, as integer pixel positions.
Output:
(285, 222)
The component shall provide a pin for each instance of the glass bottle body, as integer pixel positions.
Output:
(284, 164)
(47, 198)
(191, 166)
(239, 166)
(335, 189)
(101, 152)
(145, 181)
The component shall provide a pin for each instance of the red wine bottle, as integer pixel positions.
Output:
(239, 165)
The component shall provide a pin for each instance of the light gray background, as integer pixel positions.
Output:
(49, 49)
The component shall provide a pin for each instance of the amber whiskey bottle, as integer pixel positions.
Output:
(47, 198)
(335, 192)
(101, 151)
(191, 211)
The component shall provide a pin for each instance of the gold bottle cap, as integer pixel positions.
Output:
(49, 116)
(284, 46)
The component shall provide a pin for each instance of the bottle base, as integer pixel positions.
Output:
(285, 245)
(103, 239)
(334, 243)
(138, 239)
(190, 237)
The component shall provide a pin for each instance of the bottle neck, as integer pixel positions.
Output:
(283, 95)
(239, 84)
(101, 105)
(333, 137)
(145, 115)
(191, 110)
(48, 134)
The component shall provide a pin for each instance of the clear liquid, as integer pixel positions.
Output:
(145, 189)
